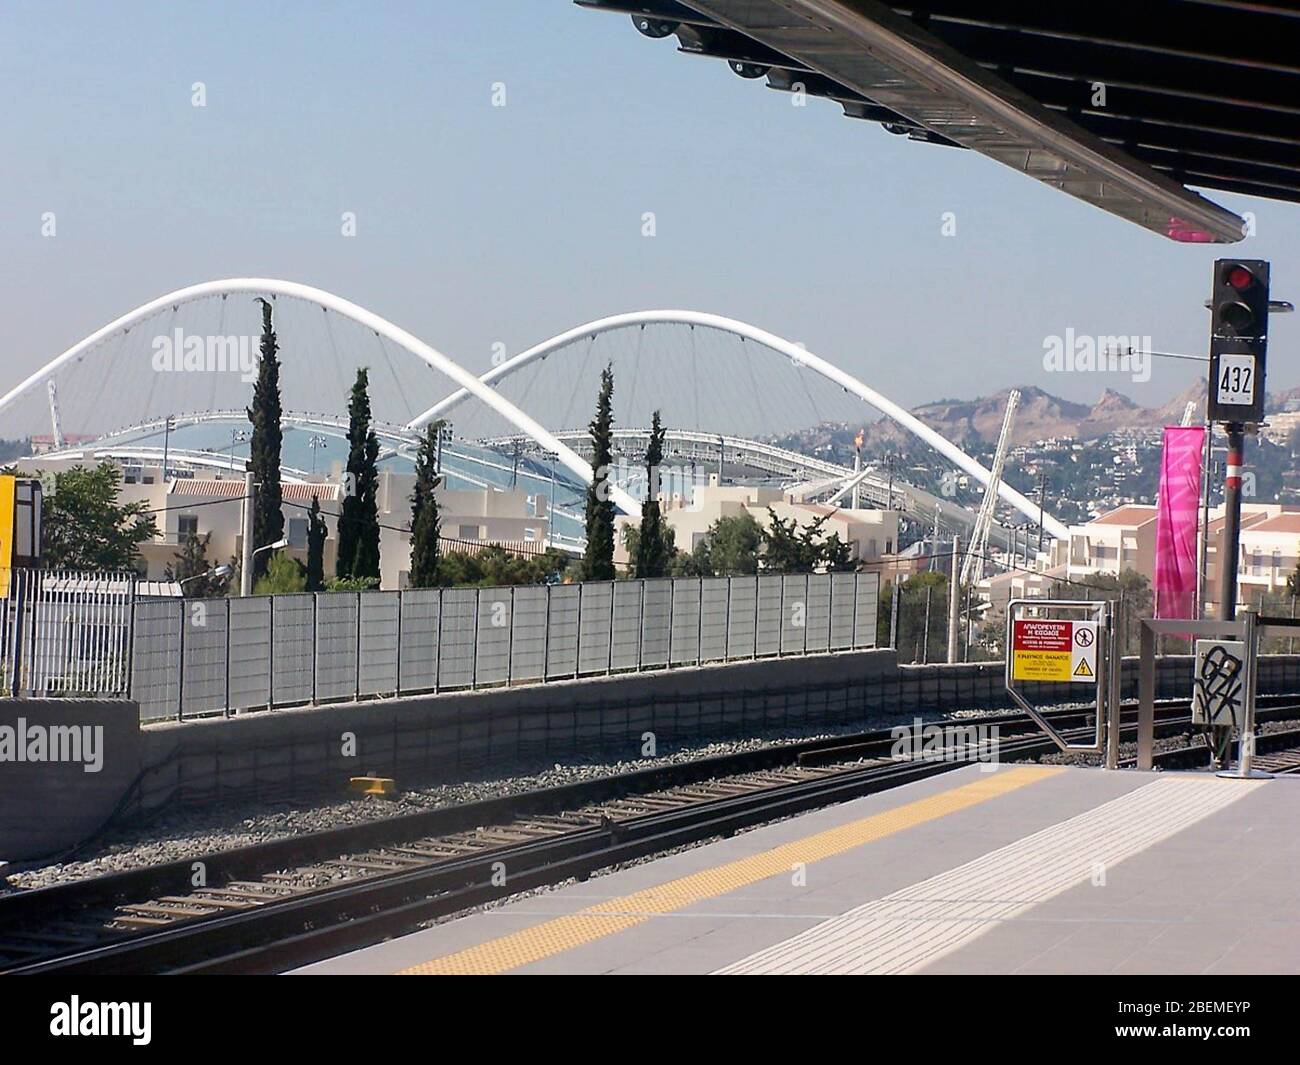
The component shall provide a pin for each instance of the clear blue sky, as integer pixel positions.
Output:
(480, 224)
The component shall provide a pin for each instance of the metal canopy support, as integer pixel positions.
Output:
(889, 60)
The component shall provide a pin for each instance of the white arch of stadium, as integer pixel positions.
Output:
(261, 286)
(799, 356)
(483, 388)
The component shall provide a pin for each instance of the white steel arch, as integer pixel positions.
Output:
(469, 384)
(799, 356)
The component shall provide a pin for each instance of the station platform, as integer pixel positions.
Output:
(987, 869)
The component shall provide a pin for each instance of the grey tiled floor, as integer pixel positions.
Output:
(1223, 896)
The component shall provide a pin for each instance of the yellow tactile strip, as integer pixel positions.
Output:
(614, 915)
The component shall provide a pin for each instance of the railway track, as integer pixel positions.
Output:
(1275, 752)
(283, 903)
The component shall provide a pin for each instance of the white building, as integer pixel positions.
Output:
(201, 506)
(870, 534)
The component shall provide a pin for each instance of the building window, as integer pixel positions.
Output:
(467, 532)
(530, 535)
(298, 532)
(187, 525)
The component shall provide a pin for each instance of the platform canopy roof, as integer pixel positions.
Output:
(1121, 103)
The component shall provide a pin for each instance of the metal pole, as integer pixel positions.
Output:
(1231, 523)
(1146, 698)
(246, 551)
(1221, 736)
(1246, 747)
(180, 665)
(925, 634)
(1114, 680)
(510, 649)
(897, 595)
(167, 434)
(954, 599)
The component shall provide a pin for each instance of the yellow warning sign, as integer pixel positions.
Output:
(1052, 650)
(1041, 665)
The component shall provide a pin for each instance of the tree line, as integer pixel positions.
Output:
(86, 527)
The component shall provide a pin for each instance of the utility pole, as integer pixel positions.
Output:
(167, 434)
(1231, 522)
(246, 552)
(954, 599)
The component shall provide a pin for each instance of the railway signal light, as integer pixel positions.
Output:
(1238, 340)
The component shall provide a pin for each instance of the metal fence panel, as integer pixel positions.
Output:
(528, 639)
(293, 634)
(456, 661)
(204, 658)
(794, 613)
(495, 626)
(625, 652)
(379, 624)
(741, 617)
(656, 622)
(685, 647)
(155, 678)
(714, 593)
(865, 611)
(594, 629)
(562, 630)
(71, 630)
(336, 645)
(250, 652)
(419, 653)
(768, 632)
(817, 622)
(843, 594)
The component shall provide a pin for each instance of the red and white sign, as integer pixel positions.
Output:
(1054, 650)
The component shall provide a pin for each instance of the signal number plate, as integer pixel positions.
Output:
(1236, 384)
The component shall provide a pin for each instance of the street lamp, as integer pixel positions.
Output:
(236, 436)
(280, 543)
(314, 442)
(168, 425)
(216, 573)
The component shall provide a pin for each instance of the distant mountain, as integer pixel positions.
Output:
(1042, 415)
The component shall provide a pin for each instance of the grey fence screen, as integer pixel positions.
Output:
(213, 656)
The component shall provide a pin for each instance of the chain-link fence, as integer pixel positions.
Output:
(206, 656)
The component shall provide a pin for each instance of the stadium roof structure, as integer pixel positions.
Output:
(1119, 104)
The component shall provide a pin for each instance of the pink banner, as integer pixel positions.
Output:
(1178, 511)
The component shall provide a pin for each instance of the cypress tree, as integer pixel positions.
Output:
(359, 520)
(316, 534)
(598, 561)
(653, 544)
(264, 445)
(426, 523)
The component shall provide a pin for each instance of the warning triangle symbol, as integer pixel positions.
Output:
(1083, 670)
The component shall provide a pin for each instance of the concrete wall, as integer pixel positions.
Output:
(65, 766)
